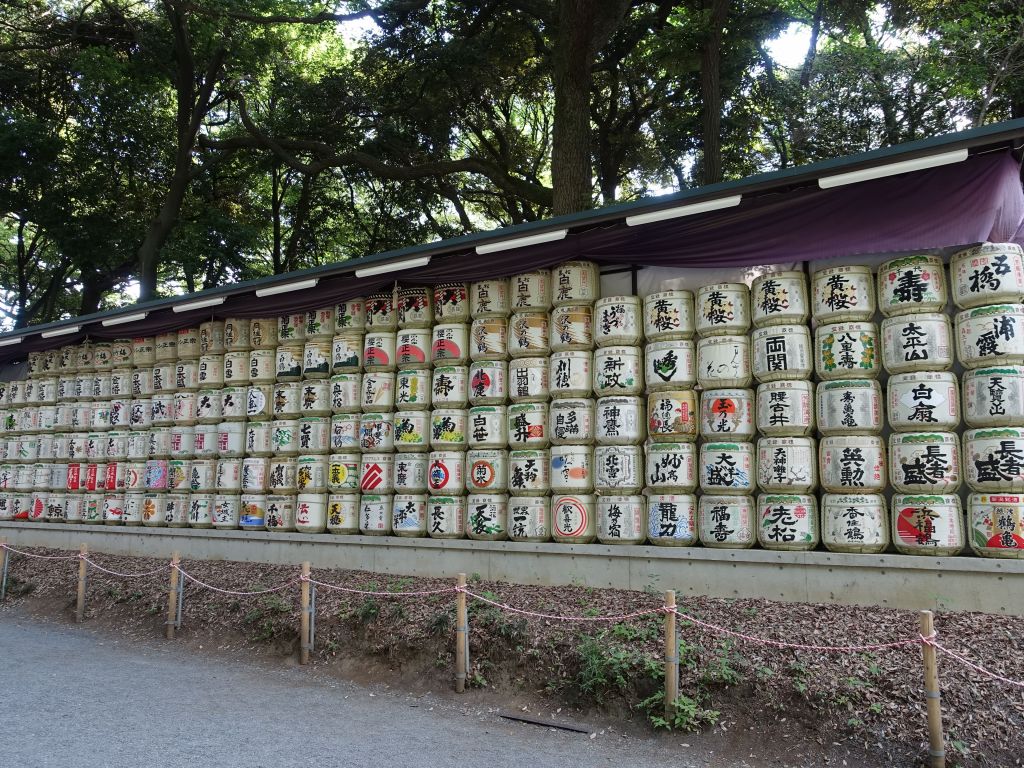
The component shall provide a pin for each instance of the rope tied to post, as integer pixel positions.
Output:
(39, 557)
(237, 593)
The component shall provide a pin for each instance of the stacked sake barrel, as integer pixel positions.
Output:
(783, 361)
(923, 406)
(988, 287)
(726, 515)
(851, 452)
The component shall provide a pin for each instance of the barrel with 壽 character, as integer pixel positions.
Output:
(910, 284)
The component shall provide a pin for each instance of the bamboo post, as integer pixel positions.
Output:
(172, 597)
(936, 743)
(461, 636)
(83, 574)
(671, 653)
(304, 615)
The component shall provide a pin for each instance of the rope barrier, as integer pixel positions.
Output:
(339, 588)
(99, 567)
(556, 617)
(194, 580)
(38, 557)
(968, 663)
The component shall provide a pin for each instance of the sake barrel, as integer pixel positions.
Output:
(446, 517)
(236, 335)
(183, 441)
(622, 519)
(211, 338)
(204, 441)
(120, 383)
(411, 430)
(263, 333)
(154, 511)
(380, 312)
(574, 518)
(226, 510)
(344, 431)
(179, 474)
(291, 328)
(528, 380)
(782, 352)
(617, 321)
(994, 459)
(411, 472)
(165, 376)
(409, 514)
(343, 472)
(375, 515)
(350, 315)
(916, 343)
(528, 426)
(488, 426)
(314, 398)
(571, 328)
(259, 438)
(927, 525)
(320, 324)
(317, 359)
(203, 475)
(311, 474)
(156, 474)
(727, 468)
(412, 348)
(283, 470)
(668, 315)
(528, 334)
(189, 347)
(621, 420)
(722, 309)
(487, 516)
(73, 508)
(843, 294)
(991, 335)
(529, 472)
(727, 413)
(990, 273)
(231, 439)
(140, 413)
(183, 410)
(311, 513)
(253, 511)
(186, 373)
(617, 371)
(847, 351)
(787, 522)
(446, 472)
(528, 518)
(923, 400)
(114, 506)
(490, 298)
(994, 397)
(346, 393)
(726, 522)
(619, 469)
(377, 432)
(671, 467)
(175, 508)
(575, 282)
(531, 291)
(284, 437)
(378, 391)
(134, 476)
(263, 366)
(68, 362)
(571, 422)
(911, 284)
(450, 344)
(488, 382)
(997, 524)
(449, 386)
(449, 428)
(451, 302)
(229, 475)
(672, 416)
(787, 464)
(724, 361)
(280, 512)
(379, 351)
(849, 406)
(347, 352)
(343, 513)
(779, 298)
(232, 403)
(924, 462)
(288, 363)
(16, 393)
(670, 364)
(672, 519)
(377, 473)
(852, 463)
(166, 346)
(572, 468)
(570, 374)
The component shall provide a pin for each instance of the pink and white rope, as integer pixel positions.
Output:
(194, 580)
(99, 567)
(556, 617)
(976, 667)
(339, 588)
(38, 557)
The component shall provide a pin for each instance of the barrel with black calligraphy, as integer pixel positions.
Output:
(991, 335)
(727, 413)
(917, 343)
(672, 519)
(990, 273)
(727, 522)
(574, 518)
(996, 523)
(924, 462)
(994, 397)
(847, 351)
(529, 518)
(446, 517)
(787, 522)
(722, 309)
(786, 465)
(923, 400)
(409, 514)
(779, 298)
(487, 516)
(621, 519)
(911, 284)
(843, 294)
(927, 524)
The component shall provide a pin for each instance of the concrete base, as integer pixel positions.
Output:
(893, 581)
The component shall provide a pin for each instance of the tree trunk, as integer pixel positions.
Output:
(277, 187)
(711, 94)
(299, 217)
(149, 252)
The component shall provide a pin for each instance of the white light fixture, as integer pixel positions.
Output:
(215, 301)
(522, 242)
(393, 266)
(124, 319)
(9, 342)
(60, 331)
(903, 166)
(684, 210)
(287, 287)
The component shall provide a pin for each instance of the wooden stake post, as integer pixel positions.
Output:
(671, 654)
(936, 742)
(461, 637)
(172, 597)
(304, 616)
(3, 568)
(83, 575)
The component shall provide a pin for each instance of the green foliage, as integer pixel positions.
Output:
(685, 713)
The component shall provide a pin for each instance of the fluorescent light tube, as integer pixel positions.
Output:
(903, 166)
(215, 301)
(9, 342)
(124, 319)
(287, 287)
(684, 210)
(393, 266)
(61, 331)
(522, 242)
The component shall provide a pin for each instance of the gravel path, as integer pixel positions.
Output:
(82, 698)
